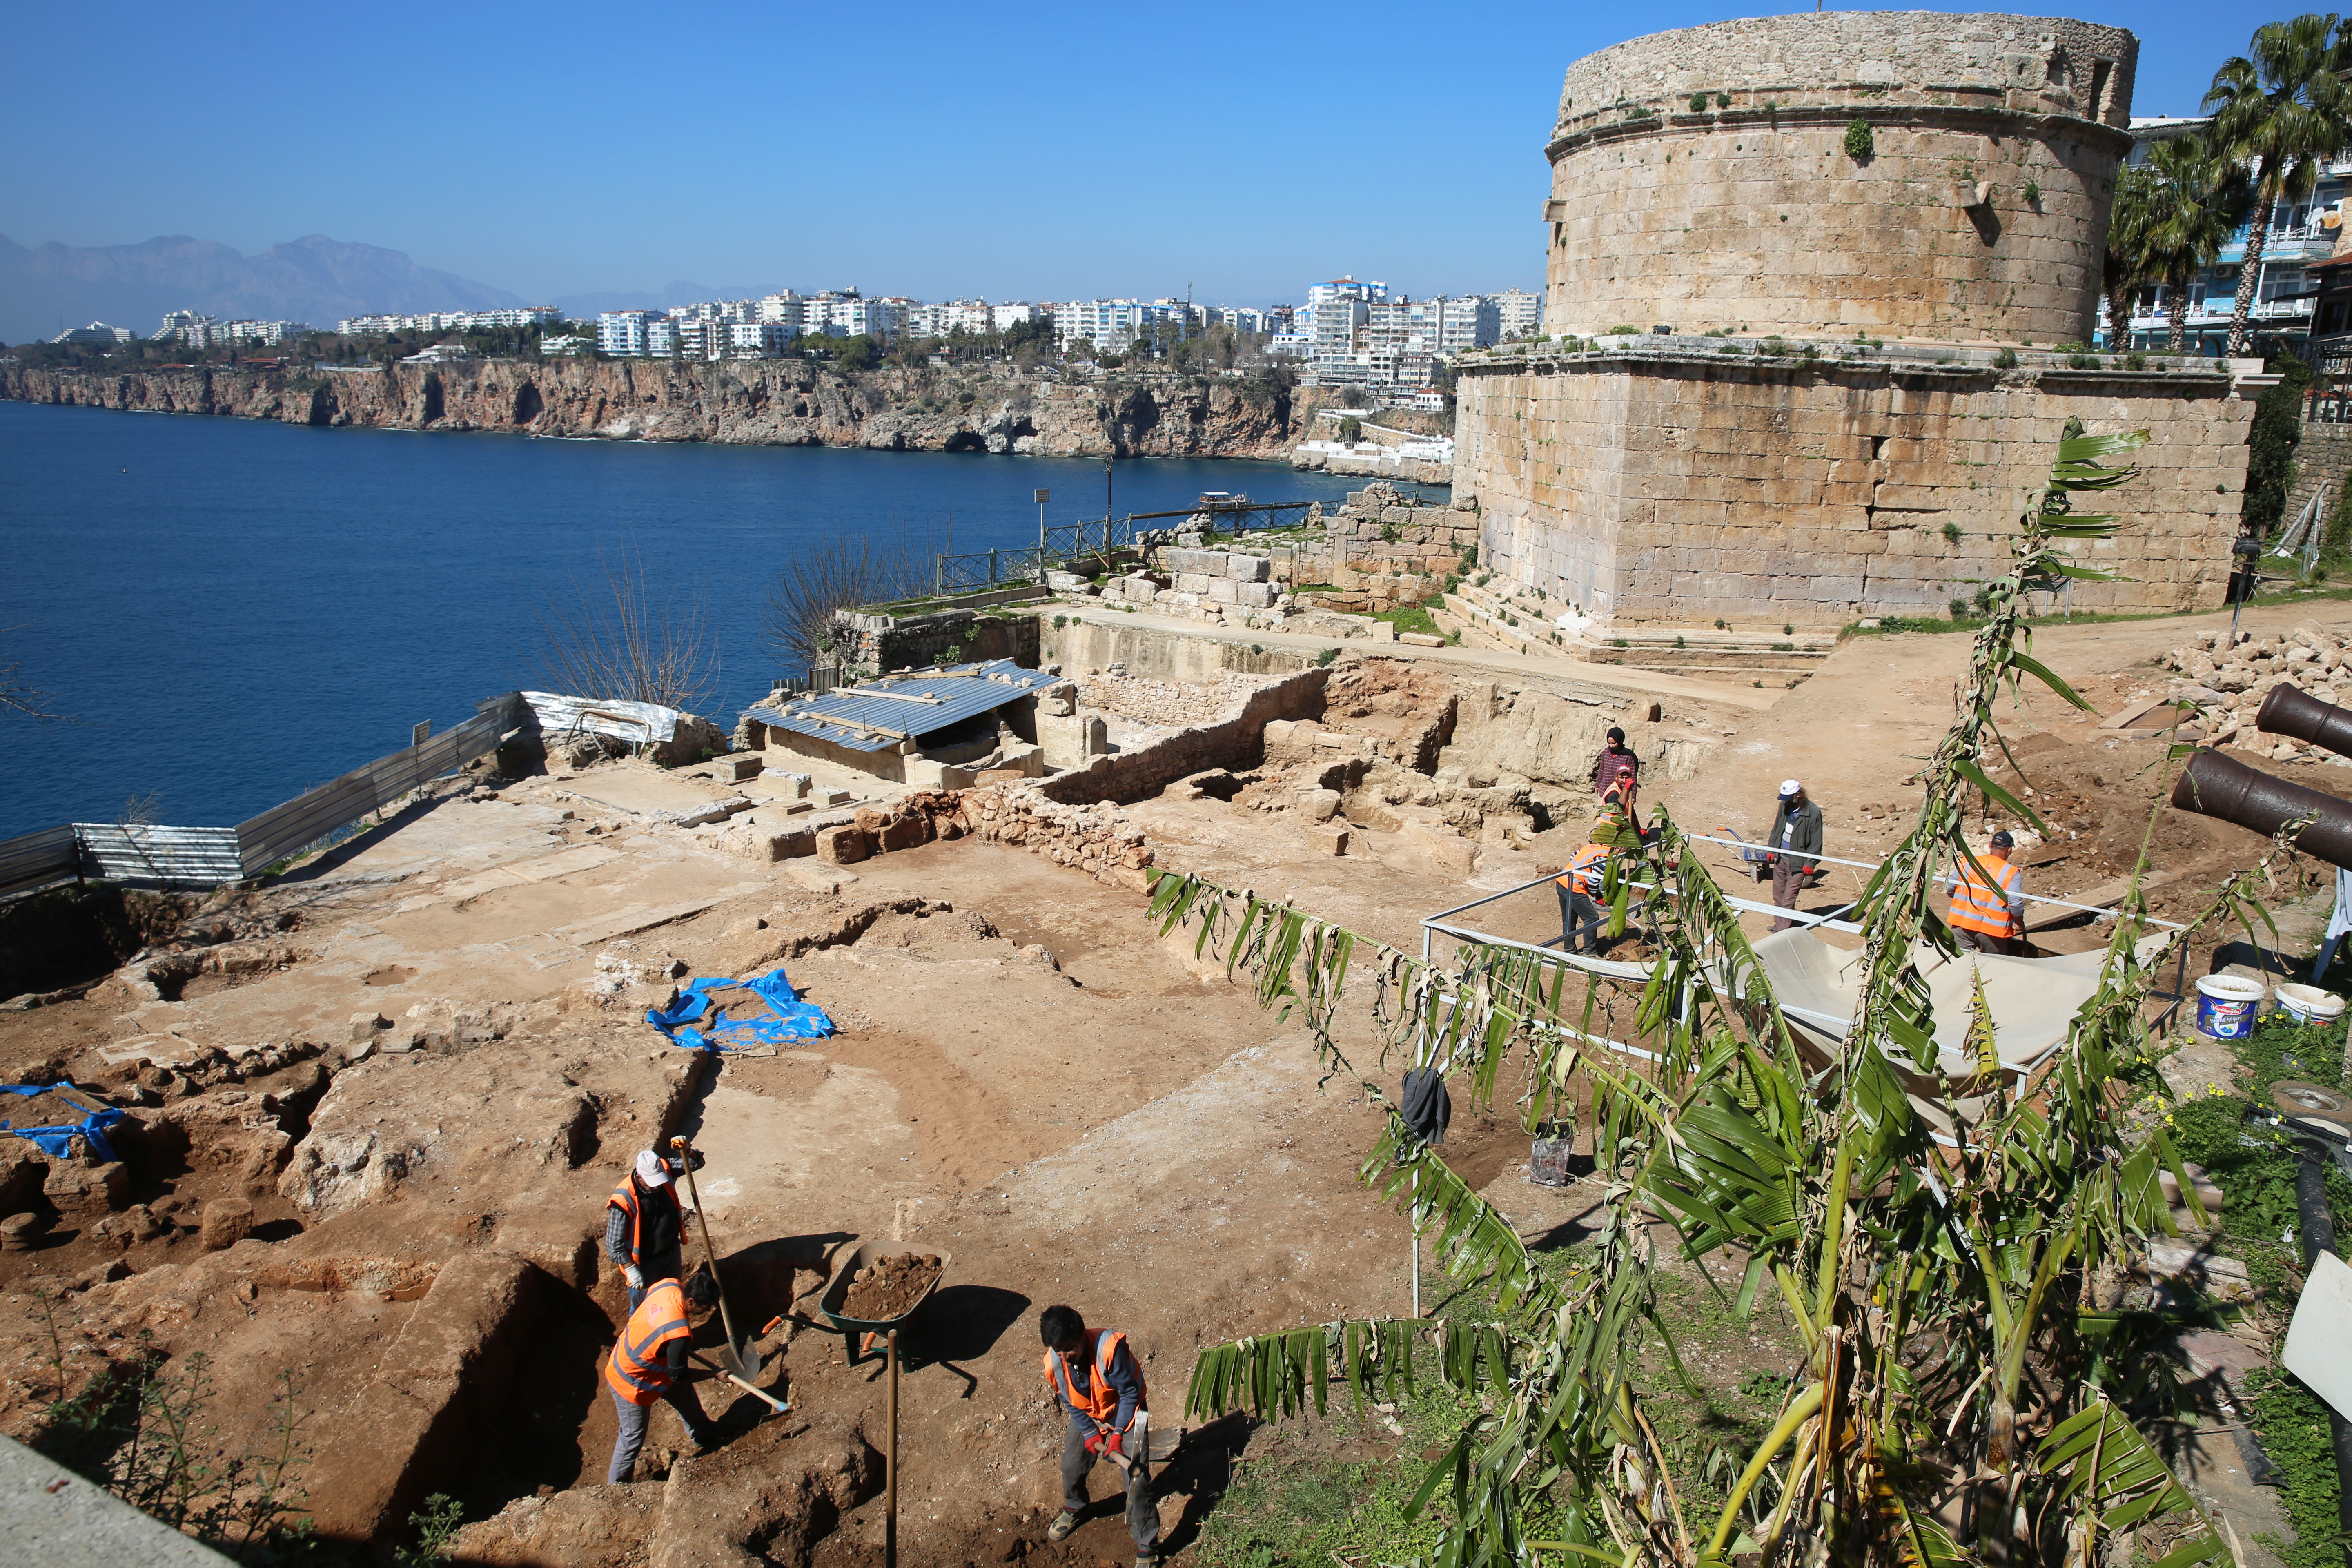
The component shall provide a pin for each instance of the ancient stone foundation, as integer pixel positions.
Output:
(1686, 488)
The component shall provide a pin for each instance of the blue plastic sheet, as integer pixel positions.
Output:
(54, 1140)
(701, 1024)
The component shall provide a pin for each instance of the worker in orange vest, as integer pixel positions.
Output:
(1579, 884)
(1989, 916)
(1096, 1378)
(645, 1223)
(648, 1362)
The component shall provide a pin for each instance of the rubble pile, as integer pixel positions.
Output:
(2227, 682)
(1172, 704)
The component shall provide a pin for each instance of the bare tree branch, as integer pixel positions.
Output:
(839, 572)
(19, 696)
(623, 640)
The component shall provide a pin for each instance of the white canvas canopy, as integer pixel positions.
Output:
(2033, 1000)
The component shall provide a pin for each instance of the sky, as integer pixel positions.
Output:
(1049, 152)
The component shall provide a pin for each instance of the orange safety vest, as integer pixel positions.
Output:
(1979, 907)
(1583, 873)
(624, 1198)
(638, 1369)
(1100, 1401)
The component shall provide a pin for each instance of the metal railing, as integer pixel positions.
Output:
(1063, 543)
(156, 854)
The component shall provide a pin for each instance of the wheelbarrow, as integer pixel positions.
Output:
(851, 1329)
(886, 1329)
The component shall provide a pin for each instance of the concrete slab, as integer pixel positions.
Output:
(55, 1517)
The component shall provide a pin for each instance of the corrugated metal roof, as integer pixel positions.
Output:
(884, 712)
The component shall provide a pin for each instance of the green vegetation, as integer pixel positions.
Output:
(2292, 1423)
(435, 1524)
(1698, 104)
(140, 1429)
(2032, 194)
(1860, 145)
(1326, 656)
(1413, 617)
(1723, 100)
(2270, 446)
(2005, 360)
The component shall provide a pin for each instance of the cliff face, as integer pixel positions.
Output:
(773, 403)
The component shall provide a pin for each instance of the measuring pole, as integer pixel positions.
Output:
(890, 1467)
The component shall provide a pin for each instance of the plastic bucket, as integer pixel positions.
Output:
(2309, 1004)
(2226, 1004)
(1555, 1143)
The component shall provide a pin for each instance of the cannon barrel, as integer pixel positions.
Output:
(2213, 786)
(2300, 716)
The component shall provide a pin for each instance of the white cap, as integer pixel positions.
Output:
(1791, 787)
(652, 1170)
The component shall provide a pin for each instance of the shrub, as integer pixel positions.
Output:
(2082, 362)
(1951, 532)
(2136, 362)
(1788, 628)
(1860, 145)
(1723, 100)
(2032, 194)
(1326, 656)
(1698, 104)
(2005, 360)
(1624, 327)
(1722, 625)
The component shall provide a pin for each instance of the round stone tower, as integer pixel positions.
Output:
(1895, 173)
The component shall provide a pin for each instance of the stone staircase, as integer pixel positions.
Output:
(1500, 615)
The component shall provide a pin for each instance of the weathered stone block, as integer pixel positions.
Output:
(1255, 596)
(1249, 568)
(844, 845)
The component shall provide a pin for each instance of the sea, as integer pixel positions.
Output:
(226, 612)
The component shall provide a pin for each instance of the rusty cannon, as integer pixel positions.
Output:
(2214, 785)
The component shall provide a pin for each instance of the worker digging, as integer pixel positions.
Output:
(645, 1226)
(1095, 1378)
(648, 1362)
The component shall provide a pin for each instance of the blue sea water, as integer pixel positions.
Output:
(235, 610)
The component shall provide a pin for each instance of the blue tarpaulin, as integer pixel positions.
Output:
(54, 1140)
(699, 1023)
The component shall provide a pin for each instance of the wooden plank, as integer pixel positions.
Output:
(2100, 896)
(893, 695)
(2133, 714)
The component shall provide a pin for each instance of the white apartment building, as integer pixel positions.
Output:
(1518, 314)
(784, 309)
(661, 338)
(566, 346)
(846, 314)
(264, 332)
(451, 321)
(1003, 318)
(95, 333)
(198, 331)
(625, 333)
(757, 340)
(1112, 325)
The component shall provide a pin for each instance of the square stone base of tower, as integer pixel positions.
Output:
(1680, 485)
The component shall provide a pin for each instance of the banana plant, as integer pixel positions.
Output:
(1928, 1219)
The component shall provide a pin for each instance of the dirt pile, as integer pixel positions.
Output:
(889, 1287)
(2227, 683)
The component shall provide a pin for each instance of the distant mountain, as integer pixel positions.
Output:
(583, 306)
(314, 280)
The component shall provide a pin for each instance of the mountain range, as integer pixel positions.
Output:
(315, 280)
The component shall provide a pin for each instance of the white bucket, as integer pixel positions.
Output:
(2226, 1004)
(2309, 1004)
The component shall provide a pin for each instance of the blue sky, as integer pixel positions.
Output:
(1048, 151)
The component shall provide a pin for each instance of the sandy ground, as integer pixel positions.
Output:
(1023, 1077)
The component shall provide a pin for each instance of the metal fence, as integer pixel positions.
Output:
(172, 857)
(1063, 544)
(819, 679)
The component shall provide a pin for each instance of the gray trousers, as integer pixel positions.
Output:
(1576, 911)
(1981, 942)
(1142, 1517)
(631, 1439)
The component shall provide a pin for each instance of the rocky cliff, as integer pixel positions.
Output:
(775, 403)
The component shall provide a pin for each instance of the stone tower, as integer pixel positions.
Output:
(1818, 287)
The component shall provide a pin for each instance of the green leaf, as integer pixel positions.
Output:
(1976, 775)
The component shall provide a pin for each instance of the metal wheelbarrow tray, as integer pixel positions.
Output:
(835, 1292)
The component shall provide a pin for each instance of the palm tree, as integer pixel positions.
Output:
(2200, 197)
(2129, 265)
(2283, 108)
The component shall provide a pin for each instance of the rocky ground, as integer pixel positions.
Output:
(373, 1109)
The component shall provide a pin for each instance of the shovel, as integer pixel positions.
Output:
(737, 1361)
